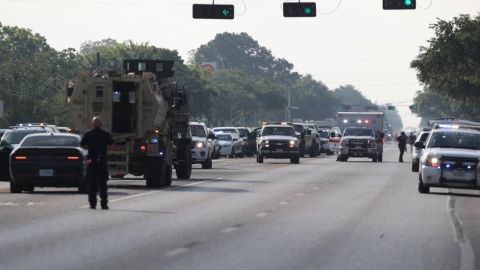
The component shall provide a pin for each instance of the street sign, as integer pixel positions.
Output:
(206, 11)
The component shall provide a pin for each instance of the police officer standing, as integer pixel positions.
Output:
(96, 141)
(402, 144)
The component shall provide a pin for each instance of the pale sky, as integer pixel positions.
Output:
(359, 44)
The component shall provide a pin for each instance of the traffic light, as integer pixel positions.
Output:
(300, 9)
(391, 108)
(399, 4)
(203, 11)
(413, 107)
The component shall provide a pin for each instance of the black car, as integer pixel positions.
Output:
(10, 140)
(48, 160)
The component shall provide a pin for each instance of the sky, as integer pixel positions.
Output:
(359, 43)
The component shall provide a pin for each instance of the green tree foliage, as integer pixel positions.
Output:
(449, 68)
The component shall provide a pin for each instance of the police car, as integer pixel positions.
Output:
(450, 158)
(278, 140)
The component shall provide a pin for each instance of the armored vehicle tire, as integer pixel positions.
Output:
(28, 188)
(15, 188)
(168, 175)
(155, 172)
(184, 167)
(259, 158)
(207, 164)
(295, 160)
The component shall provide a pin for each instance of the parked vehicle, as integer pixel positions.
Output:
(48, 160)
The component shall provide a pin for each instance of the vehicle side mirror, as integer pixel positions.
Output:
(235, 139)
(420, 145)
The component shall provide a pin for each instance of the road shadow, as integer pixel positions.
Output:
(455, 194)
(61, 192)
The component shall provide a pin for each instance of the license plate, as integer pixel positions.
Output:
(459, 173)
(45, 172)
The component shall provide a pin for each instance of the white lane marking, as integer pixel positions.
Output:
(262, 214)
(467, 256)
(176, 252)
(315, 188)
(148, 193)
(283, 203)
(300, 194)
(229, 230)
(8, 204)
(34, 203)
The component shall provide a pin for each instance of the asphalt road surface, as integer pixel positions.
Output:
(321, 214)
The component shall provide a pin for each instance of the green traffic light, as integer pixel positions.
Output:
(225, 12)
(307, 10)
(408, 3)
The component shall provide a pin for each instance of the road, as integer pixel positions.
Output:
(320, 214)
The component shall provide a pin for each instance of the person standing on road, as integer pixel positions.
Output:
(402, 144)
(96, 141)
(411, 140)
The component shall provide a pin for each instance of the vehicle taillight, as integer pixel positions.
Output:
(73, 158)
(20, 158)
(143, 148)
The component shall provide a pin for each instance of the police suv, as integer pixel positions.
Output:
(278, 140)
(450, 158)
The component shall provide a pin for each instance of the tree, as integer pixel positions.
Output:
(450, 66)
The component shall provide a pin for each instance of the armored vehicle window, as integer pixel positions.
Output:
(99, 91)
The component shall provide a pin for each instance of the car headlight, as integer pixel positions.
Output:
(433, 161)
(200, 145)
(293, 143)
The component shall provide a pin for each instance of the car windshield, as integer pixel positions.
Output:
(51, 140)
(198, 131)
(358, 132)
(281, 131)
(224, 137)
(324, 134)
(16, 136)
(243, 132)
(463, 140)
(225, 130)
(298, 128)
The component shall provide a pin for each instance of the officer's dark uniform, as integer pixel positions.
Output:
(96, 141)
(402, 145)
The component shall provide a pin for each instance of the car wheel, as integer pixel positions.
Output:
(295, 160)
(82, 187)
(28, 188)
(15, 188)
(207, 164)
(259, 158)
(421, 187)
(313, 150)
(168, 175)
